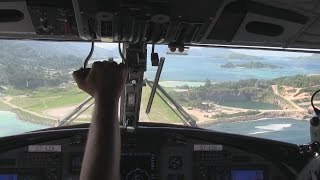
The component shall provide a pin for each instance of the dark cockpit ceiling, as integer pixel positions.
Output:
(272, 23)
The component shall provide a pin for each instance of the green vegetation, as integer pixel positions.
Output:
(248, 94)
(271, 98)
(250, 65)
(160, 111)
(4, 107)
(281, 90)
(239, 114)
(41, 100)
(298, 81)
(243, 93)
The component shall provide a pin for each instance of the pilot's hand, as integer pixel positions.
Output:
(104, 80)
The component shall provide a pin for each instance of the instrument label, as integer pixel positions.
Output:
(44, 148)
(208, 147)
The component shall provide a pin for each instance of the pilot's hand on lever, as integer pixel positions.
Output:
(105, 80)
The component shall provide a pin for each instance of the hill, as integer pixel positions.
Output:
(33, 64)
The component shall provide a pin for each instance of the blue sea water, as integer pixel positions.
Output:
(11, 125)
(280, 129)
(185, 68)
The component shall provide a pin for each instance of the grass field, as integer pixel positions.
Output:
(43, 99)
(160, 111)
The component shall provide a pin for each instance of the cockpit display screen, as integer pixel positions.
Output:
(247, 175)
(8, 177)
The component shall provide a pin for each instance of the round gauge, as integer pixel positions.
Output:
(175, 162)
(137, 174)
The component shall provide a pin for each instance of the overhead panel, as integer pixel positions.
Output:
(279, 23)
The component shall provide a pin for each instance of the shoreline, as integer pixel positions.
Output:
(20, 117)
(33, 121)
(258, 117)
(29, 120)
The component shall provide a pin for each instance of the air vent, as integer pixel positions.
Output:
(263, 28)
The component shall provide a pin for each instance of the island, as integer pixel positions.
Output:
(250, 65)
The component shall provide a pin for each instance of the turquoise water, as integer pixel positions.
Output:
(281, 129)
(10, 125)
(185, 68)
(250, 105)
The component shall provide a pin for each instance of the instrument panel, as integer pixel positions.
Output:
(167, 155)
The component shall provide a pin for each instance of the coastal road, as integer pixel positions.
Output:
(276, 92)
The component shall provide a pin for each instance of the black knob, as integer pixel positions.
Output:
(314, 121)
(175, 162)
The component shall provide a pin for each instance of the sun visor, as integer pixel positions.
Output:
(15, 18)
(252, 23)
(267, 31)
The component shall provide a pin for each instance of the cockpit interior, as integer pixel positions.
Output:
(140, 31)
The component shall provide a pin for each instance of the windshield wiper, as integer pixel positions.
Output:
(186, 118)
(155, 84)
(75, 113)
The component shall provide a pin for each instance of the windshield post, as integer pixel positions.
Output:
(136, 57)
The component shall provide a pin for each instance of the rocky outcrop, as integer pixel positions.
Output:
(276, 100)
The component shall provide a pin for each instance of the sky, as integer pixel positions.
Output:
(106, 45)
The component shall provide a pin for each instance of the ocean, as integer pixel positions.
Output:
(280, 129)
(11, 125)
(199, 69)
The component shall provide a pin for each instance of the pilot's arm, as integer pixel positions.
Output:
(105, 82)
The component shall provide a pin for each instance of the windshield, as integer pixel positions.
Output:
(250, 92)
